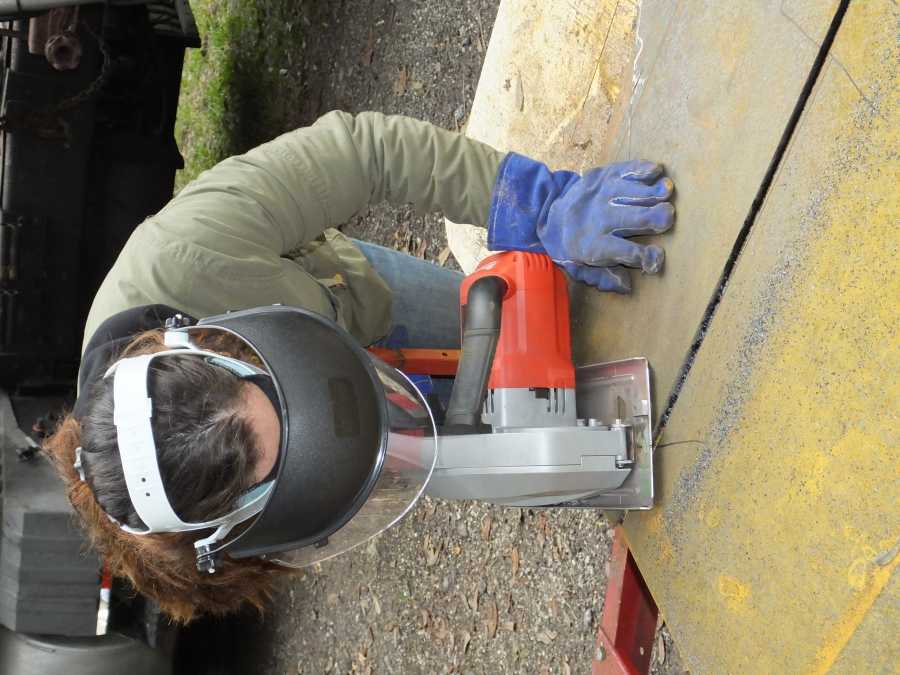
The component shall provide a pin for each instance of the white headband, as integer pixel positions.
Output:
(132, 412)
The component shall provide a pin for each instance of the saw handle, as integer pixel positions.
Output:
(481, 333)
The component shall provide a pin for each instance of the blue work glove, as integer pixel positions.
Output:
(581, 221)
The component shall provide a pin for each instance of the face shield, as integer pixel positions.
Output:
(358, 443)
(407, 455)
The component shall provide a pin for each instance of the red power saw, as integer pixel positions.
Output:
(524, 427)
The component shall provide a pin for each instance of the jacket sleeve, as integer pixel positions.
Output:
(285, 193)
(220, 243)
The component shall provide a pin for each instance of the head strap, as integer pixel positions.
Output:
(132, 413)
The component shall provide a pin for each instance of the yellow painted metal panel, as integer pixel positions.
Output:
(775, 545)
(874, 647)
(716, 85)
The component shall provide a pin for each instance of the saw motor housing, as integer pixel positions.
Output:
(532, 381)
(517, 431)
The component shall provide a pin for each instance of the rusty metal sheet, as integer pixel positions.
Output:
(715, 84)
(776, 541)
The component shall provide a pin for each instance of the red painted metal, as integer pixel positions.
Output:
(440, 362)
(628, 625)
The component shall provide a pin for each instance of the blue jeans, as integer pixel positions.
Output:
(425, 312)
(425, 309)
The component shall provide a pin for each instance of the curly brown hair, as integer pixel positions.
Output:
(163, 566)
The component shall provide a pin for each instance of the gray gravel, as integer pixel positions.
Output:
(456, 587)
(420, 59)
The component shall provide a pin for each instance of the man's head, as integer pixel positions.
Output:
(216, 435)
(204, 451)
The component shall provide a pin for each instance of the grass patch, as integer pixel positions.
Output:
(240, 88)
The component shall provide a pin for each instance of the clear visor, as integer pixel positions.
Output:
(408, 462)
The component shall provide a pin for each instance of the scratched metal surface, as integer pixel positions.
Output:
(775, 543)
(716, 84)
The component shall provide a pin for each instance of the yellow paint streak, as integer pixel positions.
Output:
(655, 522)
(731, 50)
(712, 517)
(734, 591)
(858, 41)
(842, 631)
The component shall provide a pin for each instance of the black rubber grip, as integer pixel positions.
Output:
(480, 335)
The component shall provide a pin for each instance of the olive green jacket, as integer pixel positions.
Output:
(258, 229)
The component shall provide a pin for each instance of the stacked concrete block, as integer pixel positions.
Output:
(49, 582)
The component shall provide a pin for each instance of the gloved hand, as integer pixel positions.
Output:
(581, 222)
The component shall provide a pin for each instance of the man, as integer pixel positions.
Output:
(255, 231)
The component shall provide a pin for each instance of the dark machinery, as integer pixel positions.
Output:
(89, 97)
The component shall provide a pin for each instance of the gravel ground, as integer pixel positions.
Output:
(457, 586)
(420, 59)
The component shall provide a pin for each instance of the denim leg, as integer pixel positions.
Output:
(425, 312)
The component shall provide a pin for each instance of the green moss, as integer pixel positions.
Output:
(232, 89)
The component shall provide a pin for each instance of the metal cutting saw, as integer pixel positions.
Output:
(524, 426)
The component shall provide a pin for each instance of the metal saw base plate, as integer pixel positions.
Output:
(620, 390)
